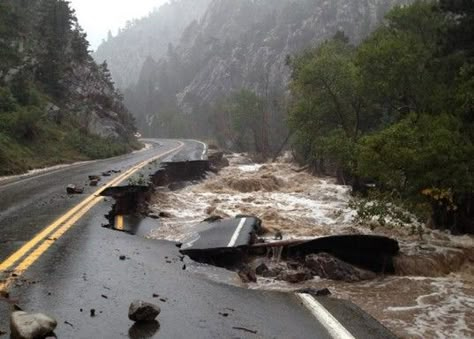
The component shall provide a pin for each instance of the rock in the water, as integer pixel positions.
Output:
(165, 215)
(31, 326)
(261, 269)
(217, 160)
(326, 266)
(143, 311)
(295, 277)
(247, 275)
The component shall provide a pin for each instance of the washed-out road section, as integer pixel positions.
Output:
(84, 270)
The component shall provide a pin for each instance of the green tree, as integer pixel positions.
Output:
(249, 120)
(426, 155)
(398, 62)
(461, 31)
(9, 33)
(54, 29)
(328, 110)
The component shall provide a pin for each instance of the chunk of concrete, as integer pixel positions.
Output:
(31, 326)
(143, 311)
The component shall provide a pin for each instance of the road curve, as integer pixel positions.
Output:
(78, 268)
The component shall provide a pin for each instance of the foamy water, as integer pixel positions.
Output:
(302, 206)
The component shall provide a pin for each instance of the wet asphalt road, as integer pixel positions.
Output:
(82, 270)
(28, 204)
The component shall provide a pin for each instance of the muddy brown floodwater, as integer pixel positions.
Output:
(432, 295)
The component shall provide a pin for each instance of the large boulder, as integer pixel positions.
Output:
(143, 311)
(326, 266)
(217, 161)
(31, 326)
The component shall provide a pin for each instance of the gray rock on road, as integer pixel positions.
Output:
(73, 189)
(143, 311)
(31, 326)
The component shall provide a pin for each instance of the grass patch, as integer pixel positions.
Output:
(53, 146)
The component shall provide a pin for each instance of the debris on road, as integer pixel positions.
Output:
(94, 180)
(143, 311)
(24, 325)
(73, 189)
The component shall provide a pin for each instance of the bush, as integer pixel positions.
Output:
(95, 147)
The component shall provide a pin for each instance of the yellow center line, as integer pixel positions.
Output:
(119, 222)
(66, 222)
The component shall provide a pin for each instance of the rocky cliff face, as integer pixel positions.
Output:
(56, 104)
(147, 37)
(95, 102)
(242, 43)
(48, 53)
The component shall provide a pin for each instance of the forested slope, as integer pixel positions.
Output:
(56, 103)
(396, 111)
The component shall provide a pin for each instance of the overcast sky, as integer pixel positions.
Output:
(97, 17)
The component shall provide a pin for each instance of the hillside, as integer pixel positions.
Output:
(237, 44)
(147, 37)
(56, 103)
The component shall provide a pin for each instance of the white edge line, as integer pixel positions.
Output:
(235, 236)
(335, 328)
(205, 148)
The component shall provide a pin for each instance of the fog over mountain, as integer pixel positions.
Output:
(176, 63)
(147, 37)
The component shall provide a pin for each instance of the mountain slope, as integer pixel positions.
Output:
(56, 103)
(147, 37)
(240, 44)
